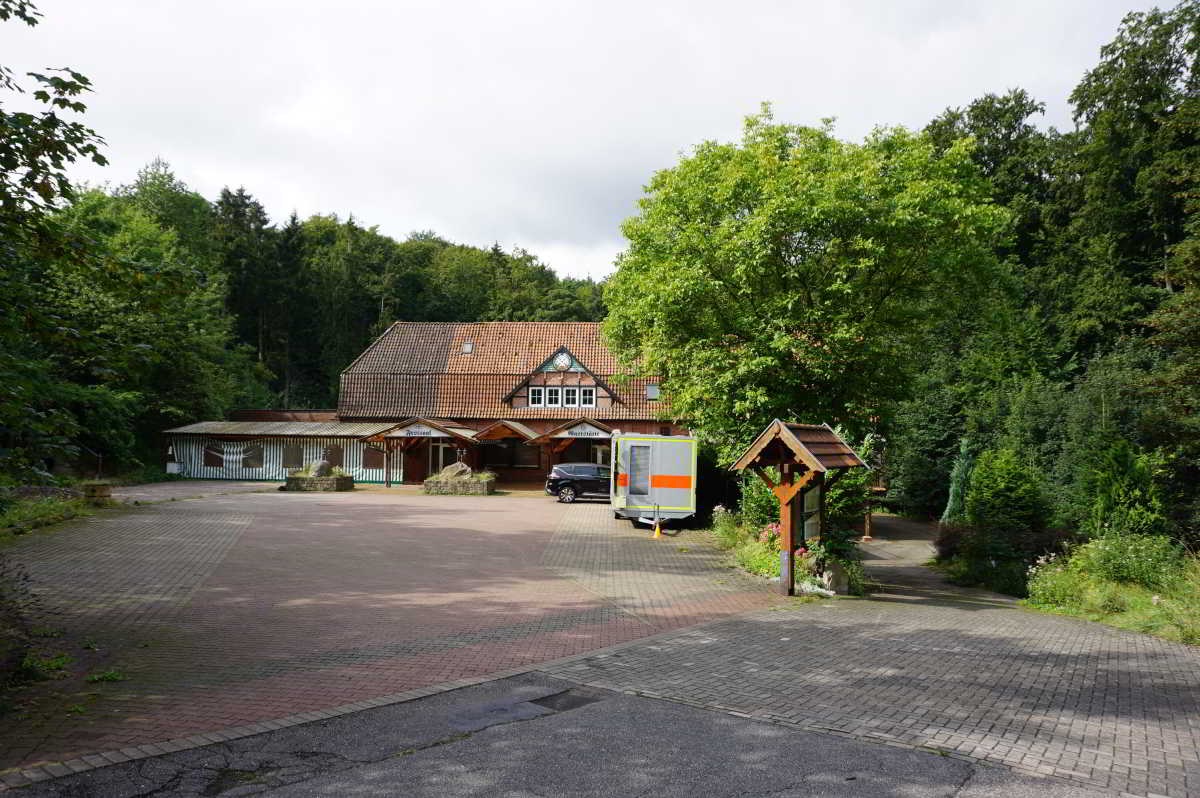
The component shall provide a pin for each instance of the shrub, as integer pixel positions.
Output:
(1005, 507)
(949, 540)
(1151, 561)
(1052, 584)
(1126, 497)
(758, 558)
(727, 528)
(758, 505)
(960, 475)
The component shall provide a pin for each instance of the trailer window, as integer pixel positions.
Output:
(639, 470)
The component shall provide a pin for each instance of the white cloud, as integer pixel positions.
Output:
(528, 123)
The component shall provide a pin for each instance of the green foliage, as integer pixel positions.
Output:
(1127, 498)
(24, 515)
(758, 505)
(960, 475)
(1152, 561)
(1171, 610)
(111, 675)
(1005, 507)
(757, 557)
(39, 667)
(1002, 576)
(846, 499)
(818, 263)
(727, 528)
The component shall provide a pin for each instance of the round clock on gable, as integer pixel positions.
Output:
(562, 362)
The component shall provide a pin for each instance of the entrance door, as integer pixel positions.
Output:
(601, 454)
(442, 455)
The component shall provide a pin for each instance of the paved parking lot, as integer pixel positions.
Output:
(246, 606)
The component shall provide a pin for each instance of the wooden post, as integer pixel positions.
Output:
(387, 463)
(787, 545)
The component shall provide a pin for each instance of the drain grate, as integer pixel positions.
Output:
(570, 699)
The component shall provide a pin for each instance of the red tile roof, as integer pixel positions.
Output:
(420, 369)
(498, 347)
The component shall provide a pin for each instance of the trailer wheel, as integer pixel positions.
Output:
(566, 494)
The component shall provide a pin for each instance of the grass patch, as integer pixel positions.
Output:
(1170, 610)
(36, 667)
(112, 675)
(25, 515)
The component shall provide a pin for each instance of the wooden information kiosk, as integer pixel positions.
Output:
(804, 455)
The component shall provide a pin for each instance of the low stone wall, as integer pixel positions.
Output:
(460, 487)
(320, 483)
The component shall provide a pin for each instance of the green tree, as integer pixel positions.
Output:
(795, 275)
(36, 149)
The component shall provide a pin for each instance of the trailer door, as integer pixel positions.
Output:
(673, 475)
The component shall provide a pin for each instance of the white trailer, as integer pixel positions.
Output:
(653, 476)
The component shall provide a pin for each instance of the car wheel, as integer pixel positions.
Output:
(567, 494)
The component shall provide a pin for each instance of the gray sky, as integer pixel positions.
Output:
(531, 124)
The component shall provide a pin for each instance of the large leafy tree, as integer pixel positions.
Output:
(796, 275)
(36, 149)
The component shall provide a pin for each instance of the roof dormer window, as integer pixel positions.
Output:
(468, 347)
(652, 391)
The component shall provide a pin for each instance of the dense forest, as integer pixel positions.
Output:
(1010, 313)
(206, 306)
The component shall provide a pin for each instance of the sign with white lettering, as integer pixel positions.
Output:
(582, 431)
(422, 431)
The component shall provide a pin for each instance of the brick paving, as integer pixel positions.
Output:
(244, 607)
(923, 664)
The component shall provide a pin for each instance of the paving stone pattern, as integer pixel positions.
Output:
(1043, 694)
(244, 607)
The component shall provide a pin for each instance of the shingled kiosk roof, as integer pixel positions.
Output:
(815, 445)
(421, 369)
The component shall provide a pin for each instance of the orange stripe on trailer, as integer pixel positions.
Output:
(623, 480)
(670, 481)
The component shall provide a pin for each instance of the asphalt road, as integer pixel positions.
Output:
(533, 736)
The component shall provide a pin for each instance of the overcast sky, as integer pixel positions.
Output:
(531, 124)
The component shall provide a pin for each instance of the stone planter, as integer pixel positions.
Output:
(460, 487)
(97, 492)
(319, 483)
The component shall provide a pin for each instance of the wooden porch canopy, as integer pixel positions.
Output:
(804, 454)
(505, 429)
(409, 433)
(583, 428)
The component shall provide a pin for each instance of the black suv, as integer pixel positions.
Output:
(571, 481)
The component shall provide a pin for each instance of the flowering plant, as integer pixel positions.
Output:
(770, 535)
